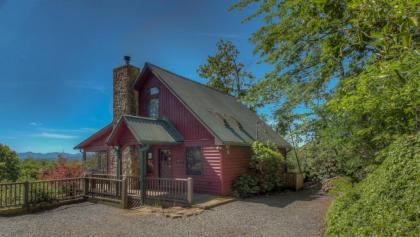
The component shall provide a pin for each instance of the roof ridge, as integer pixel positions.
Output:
(188, 79)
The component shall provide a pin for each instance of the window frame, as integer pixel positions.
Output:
(151, 97)
(186, 160)
(150, 163)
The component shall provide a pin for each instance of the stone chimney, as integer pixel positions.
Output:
(124, 95)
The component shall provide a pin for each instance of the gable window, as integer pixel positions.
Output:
(154, 91)
(153, 103)
(194, 160)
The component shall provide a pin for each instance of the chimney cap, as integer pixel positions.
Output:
(127, 59)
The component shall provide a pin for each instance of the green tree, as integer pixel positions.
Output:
(30, 169)
(313, 44)
(225, 72)
(9, 164)
(352, 65)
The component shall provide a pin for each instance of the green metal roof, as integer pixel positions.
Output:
(149, 130)
(226, 118)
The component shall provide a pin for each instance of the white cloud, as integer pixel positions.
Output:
(55, 135)
(86, 85)
(35, 124)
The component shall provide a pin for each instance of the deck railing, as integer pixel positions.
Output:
(169, 189)
(103, 188)
(29, 194)
(104, 176)
(11, 194)
(55, 190)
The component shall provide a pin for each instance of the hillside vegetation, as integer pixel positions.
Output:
(345, 83)
(387, 202)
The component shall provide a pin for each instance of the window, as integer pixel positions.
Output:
(153, 108)
(150, 163)
(153, 104)
(154, 91)
(194, 160)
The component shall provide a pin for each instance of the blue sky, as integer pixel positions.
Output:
(57, 58)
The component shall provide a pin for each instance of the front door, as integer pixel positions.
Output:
(165, 163)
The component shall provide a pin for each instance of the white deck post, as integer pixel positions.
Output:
(190, 190)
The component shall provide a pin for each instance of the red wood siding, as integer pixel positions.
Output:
(194, 133)
(210, 179)
(171, 108)
(125, 137)
(98, 145)
(235, 162)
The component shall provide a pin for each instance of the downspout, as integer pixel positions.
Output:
(142, 170)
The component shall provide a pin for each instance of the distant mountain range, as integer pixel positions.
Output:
(48, 156)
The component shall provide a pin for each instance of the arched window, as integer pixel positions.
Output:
(153, 104)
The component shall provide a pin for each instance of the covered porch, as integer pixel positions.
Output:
(123, 154)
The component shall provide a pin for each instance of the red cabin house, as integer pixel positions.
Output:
(179, 128)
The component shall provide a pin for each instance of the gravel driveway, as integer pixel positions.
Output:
(286, 214)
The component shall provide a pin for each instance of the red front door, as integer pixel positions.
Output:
(165, 163)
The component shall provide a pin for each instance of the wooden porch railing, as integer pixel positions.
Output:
(11, 194)
(103, 188)
(179, 190)
(29, 194)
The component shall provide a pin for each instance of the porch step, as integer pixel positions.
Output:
(214, 202)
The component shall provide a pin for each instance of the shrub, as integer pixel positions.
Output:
(64, 169)
(387, 202)
(246, 185)
(338, 186)
(41, 195)
(266, 171)
(319, 161)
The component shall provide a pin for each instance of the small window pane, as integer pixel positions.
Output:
(150, 163)
(194, 160)
(153, 108)
(154, 91)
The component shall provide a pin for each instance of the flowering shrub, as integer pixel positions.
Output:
(64, 169)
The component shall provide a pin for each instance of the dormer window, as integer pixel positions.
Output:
(153, 104)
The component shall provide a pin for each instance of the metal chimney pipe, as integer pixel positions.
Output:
(127, 59)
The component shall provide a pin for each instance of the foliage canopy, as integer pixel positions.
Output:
(9, 164)
(225, 72)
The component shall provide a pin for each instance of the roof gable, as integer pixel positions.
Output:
(226, 118)
(102, 134)
(146, 131)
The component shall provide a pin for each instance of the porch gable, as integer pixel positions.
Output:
(145, 131)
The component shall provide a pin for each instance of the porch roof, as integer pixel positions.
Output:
(97, 140)
(146, 131)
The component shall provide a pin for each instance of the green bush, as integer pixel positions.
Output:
(265, 174)
(246, 185)
(387, 202)
(340, 185)
(41, 195)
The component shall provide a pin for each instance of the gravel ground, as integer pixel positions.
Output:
(286, 214)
